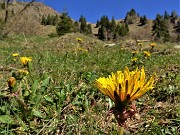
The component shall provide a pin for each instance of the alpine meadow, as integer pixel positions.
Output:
(60, 76)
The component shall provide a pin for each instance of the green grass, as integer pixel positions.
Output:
(61, 97)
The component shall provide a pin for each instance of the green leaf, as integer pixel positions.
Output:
(37, 113)
(34, 88)
(48, 98)
(6, 119)
(44, 84)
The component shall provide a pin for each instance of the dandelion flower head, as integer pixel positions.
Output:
(25, 60)
(127, 85)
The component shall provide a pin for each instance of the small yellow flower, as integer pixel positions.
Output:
(134, 59)
(23, 72)
(25, 60)
(15, 54)
(82, 49)
(11, 82)
(153, 44)
(147, 54)
(125, 87)
(79, 40)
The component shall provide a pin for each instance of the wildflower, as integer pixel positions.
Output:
(23, 72)
(134, 59)
(152, 44)
(79, 40)
(15, 54)
(11, 82)
(147, 54)
(25, 60)
(19, 75)
(82, 49)
(124, 87)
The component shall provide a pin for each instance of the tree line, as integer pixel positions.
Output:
(110, 29)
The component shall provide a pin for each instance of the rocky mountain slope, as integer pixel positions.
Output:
(27, 20)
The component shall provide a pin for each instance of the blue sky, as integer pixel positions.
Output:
(94, 9)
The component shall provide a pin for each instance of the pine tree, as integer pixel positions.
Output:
(48, 20)
(143, 20)
(131, 17)
(89, 29)
(112, 29)
(104, 30)
(122, 29)
(166, 15)
(174, 16)
(178, 27)
(132, 12)
(97, 24)
(160, 29)
(102, 33)
(65, 25)
(76, 26)
(83, 24)
(128, 19)
(55, 20)
(43, 21)
(84, 27)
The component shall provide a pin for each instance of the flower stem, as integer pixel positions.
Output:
(121, 131)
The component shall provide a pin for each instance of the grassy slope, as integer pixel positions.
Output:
(71, 104)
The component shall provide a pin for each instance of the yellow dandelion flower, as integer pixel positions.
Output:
(11, 82)
(25, 60)
(134, 52)
(147, 54)
(23, 72)
(134, 59)
(79, 40)
(153, 44)
(125, 86)
(82, 49)
(15, 54)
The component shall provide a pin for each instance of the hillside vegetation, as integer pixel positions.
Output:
(48, 82)
(27, 21)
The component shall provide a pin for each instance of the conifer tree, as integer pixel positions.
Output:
(122, 29)
(89, 29)
(166, 15)
(112, 29)
(174, 16)
(143, 20)
(104, 30)
(65, 25)
(43, 21)
(113, 24)
(178, 26)
(160, 29)
(83, 24)
(97, 24)
(131, 17)
(102, 33)
(55, 20)
(76, 26)
(84, 27)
